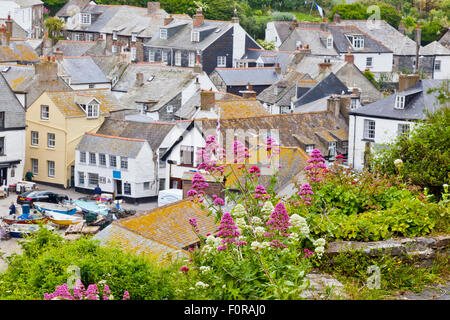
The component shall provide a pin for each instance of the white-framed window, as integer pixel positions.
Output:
(45, 112)
(123, 162)
(332, 148)
(76, 36)
(403, 129)
(85, 18)
(82, 157)
(163, 33)
(80, 178)
(146, 185)
(112, 161)
(195, 36)
(35, 166)
(34, 138)
(309, 148)
(114, 35)
(133, 53)
(357, 42)
(221, 61)
(191, 59)
(369, 129)
(101, 159)
(369, 61)
(51, 140)
(92, 158)
(178, 58)
(330, 42)
(344, 145)
(133, 37)
(127, 188)
(92, 179)
(162, 163)
(92, 110)
(354, 103)
(151, 55)
(51, 168)
(437, 65)
(89, 37)
(187, 155)
(162, 184)
(114, 49)
(400, 102)
(170, 108)
(164, 56)
(91, 86)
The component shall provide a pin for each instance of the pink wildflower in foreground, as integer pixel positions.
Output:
(106, 292)
(184, 269)
(219, 202)
(277, 244)
(279, 219)
(126, 295)
(260, 192)
(228, 230)
(305, 190)
(308, 253)
(317, 164)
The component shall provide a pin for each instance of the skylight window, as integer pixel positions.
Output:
(163, 33)
(400, 102)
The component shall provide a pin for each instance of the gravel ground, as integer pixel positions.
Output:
(8, 247)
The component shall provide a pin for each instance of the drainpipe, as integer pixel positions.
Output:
(354, 135)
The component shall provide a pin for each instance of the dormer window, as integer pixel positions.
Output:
(357, 41)
(195, 36)
(400, 102)
(163, 33)
(85, 18)
(329, 42)
(354, 103)
(92, 110)
(114, 35)
(133, 37)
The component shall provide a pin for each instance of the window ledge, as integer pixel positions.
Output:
(369, 140)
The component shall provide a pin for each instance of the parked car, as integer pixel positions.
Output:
(42, 196)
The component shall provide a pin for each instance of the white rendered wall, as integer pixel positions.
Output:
(272, 35)
(14, 150)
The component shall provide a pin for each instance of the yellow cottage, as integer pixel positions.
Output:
(56, 122)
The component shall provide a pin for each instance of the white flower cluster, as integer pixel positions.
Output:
(211, 244)
(257, 221)
(201, 285)
(320, 246)
(204, 269)
(238, 211)
(259, 231)
(299, 223)
(267, 208)
(255, 245)
(294, 237)
(241, 223)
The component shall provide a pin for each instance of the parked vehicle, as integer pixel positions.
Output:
(30, 197)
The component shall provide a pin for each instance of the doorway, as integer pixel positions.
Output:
(117, 187)
(3, 176)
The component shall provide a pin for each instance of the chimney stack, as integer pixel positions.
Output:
(207, 100)
(168, 20)
(337, 18)
(139, 79)
(300, 52)
(152, 7)
(324, 25)
(334, 105)
(9, 26)
(278, 69)
(198, 18)
(406, 81)
(198, 68)
(349, 58)
(46, 70)
(58, 54)
(249, 93)
(4, 36)
(401, 28)
(325, 65)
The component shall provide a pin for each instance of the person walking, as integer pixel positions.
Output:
(97, 191)
(12, 209)
(29, 175)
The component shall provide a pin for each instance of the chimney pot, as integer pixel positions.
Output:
(198, 18)
(207, 100)
(337, 18)
(406, 81)
(323, 66)
(349, 58)
(152, 6)
(168, 20)
(278, 69)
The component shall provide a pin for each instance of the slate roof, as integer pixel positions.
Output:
(169, 224)
(166, 83)
(28, 3)
(118, 146)
(74, 48)
(17, 30)
(417, 102)
(284, 28)
(269, 57)
(11, 106)
(445, 39)
(310, 65)
(434, 49)
(313, 37)
(82, 70)
(153, 132)
(342, 44)
(18, 51)
(331, 84)
(67, 9)
(65, 101)
(244, 76)
(212, 30)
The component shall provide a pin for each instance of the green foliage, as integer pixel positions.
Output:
(54, 26)
(282, 16)
(266, 45)
(431, 31)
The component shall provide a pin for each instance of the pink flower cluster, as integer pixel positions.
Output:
(184, 269)
(240, 152)
(218, 201)
(62, 292)
(306, 190)
(260, 192)
(255, 171)
(228, 231)
(194, 224)
(210, 154)
(199, 184)
(317, 165)
(308, 253)
(279, 220)
(278, 244)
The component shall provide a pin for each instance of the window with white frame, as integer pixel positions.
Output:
(437, 65)
(102, 159)
(191, 59)
(344, 145)
(114, 35)
(170, 108)
(178, 58)
(133, 37)
(45, 112)
(80, 178)
(195, 36)
(187, 155)
(51, 140)
(35, 166)
(357, 41)
(123, 162)
(151, 55)
(51, 168)
(399, 102)
(330, 42)
(403, 129)
(89, 37)
(112, 161)
(162, 163)
(162, 184)
(82, 157)
(163, 33)
(369, 61)
(221, 61)
(354, 103)
(309, 148)
(369, 129)
(133, 53)
(127, 188)
(147, 185)
(92, 110)
(85, 18)
(114, 48)
(34, 138)
(332, 148)
(164, 56)
(93, 179)
(76, 36)
(2, 146)
(92, 158)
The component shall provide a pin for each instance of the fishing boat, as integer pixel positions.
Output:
(63, 208)
(23, 230)
(92, 207)
(28, 220)
(63, 219)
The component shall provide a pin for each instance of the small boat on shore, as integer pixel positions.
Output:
(92, 207)
(23, 230)
(29, 220)
(62, 208)
(63, 219)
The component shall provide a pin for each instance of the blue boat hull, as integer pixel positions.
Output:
(42, 209)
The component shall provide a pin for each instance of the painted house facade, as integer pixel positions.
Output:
(119, 166)
(29, 14)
